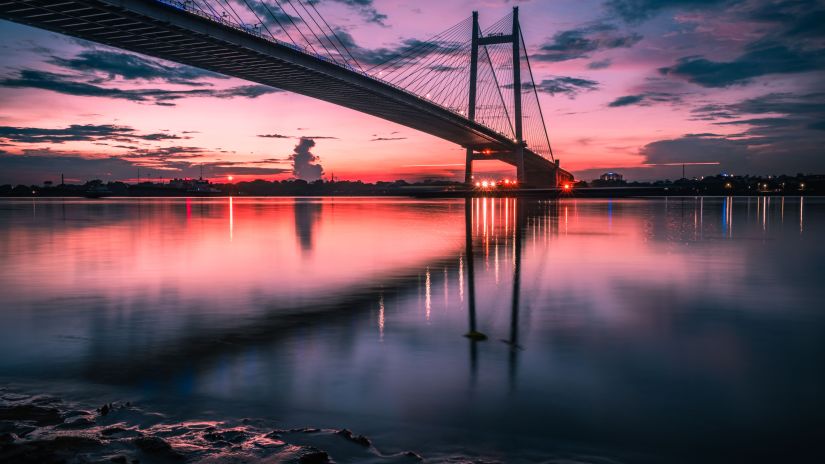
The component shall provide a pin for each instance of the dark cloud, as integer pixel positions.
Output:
(634, 11)
(365, 7)
(116, 64)
(36, 166)
(645, 99)
(581, 42)
(780, 134)
(305, 164)
(270, 13)
(412, 50)
(775, 133)
(601, 64)
(80, 86)
(77, 132)
(794, 18)
(776, 119)
(387, 139)
(274, 136)
(626, 100)
(570, 86)
(761, 58)
(167, 153)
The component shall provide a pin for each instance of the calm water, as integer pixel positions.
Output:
(655, 330)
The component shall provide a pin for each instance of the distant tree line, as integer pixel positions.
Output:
(253, 188)
(710, 185)
(805, 184)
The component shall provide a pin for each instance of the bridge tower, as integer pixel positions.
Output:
(513, 38)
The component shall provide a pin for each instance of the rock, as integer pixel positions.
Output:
(230, 436)
(156, 446)
(120, 432)
(56, 450)
(358, 439)
(314, 457)
(413, 455)
(40, 415)
(21, 430)
(104, 409)
(7, 437)
(79, 423)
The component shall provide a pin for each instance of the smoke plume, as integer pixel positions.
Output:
(304, 163)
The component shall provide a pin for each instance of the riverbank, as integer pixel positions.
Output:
(36, 428)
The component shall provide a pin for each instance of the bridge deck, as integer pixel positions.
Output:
(156, 29)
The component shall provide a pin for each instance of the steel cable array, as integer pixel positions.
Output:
(436, 69)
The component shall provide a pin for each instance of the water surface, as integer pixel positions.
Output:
(650, 330)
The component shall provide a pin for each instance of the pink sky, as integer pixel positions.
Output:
(587, 133)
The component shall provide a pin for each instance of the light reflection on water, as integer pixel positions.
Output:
(620, 328)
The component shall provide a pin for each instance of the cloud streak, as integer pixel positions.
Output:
(583, 41)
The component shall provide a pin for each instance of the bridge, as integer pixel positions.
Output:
(467, 85)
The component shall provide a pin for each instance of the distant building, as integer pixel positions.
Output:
(193, 185)
(611, 177)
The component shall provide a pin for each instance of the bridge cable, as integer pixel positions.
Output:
(538, 103)
(456, 70)
(261, 21)
(407, 76)
(334, 34)
(289, 16)
(341, 55)
(447, 60)
(237, 16)
(209, 5)
(432, 53)
(311, 30)
(277, 21)
(498, 87)
(428, 44)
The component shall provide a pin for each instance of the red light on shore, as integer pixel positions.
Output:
(568, 186)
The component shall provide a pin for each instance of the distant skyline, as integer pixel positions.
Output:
(625, 85)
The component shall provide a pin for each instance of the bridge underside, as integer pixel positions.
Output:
(158, 30)
(538, 171)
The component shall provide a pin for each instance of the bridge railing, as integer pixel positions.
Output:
(192, 7)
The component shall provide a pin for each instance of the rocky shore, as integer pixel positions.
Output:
(43, 429)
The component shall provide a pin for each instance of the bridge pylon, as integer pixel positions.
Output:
(477, 41)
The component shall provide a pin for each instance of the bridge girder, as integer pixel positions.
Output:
(155, 29)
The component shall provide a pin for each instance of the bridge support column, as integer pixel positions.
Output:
(521, 175)
(517, 98)
(468, 168)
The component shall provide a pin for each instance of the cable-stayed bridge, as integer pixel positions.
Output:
(468, 85)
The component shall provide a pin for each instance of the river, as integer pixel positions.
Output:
(502, 330)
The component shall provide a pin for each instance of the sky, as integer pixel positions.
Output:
(632, 86)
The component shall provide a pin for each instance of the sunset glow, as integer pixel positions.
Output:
(619, 87)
